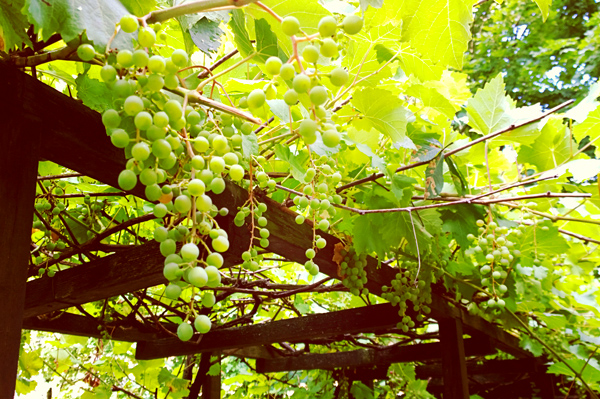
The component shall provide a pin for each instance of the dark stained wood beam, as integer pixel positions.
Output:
(75, 137)
(365, 357)
(456, 383)
(349, 321)
(19, 152)
(494, 366)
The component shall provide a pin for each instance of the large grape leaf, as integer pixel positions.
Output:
(71, 18)
(489, 109)
(139, 7)
(93, 93)
(206, 35)
(13, 25)
(453, 86)
(385, 112)
(431, 98)
(240, 34)
(589, 127)
(439, 29)
(552, 147)
(266, 41)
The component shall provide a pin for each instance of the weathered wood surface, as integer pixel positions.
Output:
(75, 137)
(454, 362)
(18, 170)
(349, 321)
(364, 357)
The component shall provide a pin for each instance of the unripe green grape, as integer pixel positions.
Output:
(171, 271)
(171, 82)
(287, 72)
(202, 324)
(220, 244)
(140, 151)
(290, 97)
(496, 275)
(256, 98)
(155, 83)
(331, 138)
(236, 172)
(273, 65)
(140, 58)
(201, 144)
(217, 186)
(161, 149)
(321, 243)
(180, 58)
(86, 52)
(243, 103)
(301, 83)
(290, 25)
(160, 210)
(327, 26)
(155, 133)
(185, 332)
(129, 23)
(310, 54)
(196, 187)
(230, 158)
(203, 203)
(108, 73)
(299, 219)
(173, 291)
(213, 273)
(217, 164)
(329, 48)
(206, 175)
(111, 118)
(352, 24)
(189, 252)
(146, 37)
(236, 140)
(197, 277)
(479, 222)
(338, 77)
(323, 225)
(310, 253)
(143, 120)
(125, 58)
(148, 177)
(262, 221)
(318, 95)
(182, 204)
(307, 127)
(152, 192)
(215, 259)
(133, 105)
(193, 118)
(122, 88)
(156, 64)
(208, 299)
(219, 143)
(127, 179)
(246, 128)
(168, 247)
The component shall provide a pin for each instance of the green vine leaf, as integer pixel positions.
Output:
(240, 34)
(489, 109)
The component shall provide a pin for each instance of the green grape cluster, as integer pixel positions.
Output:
(255, 209)
(405, 291)
(352, 268)
(495, 253)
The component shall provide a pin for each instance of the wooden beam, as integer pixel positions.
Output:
(211, 387)
(18, 170)
(456, 384)
(494, 366)
(364, 357)
(365, 319)
(76, 139)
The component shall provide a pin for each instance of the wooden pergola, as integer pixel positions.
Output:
(39, 123)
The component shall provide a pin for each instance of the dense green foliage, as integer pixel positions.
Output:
(364, 118)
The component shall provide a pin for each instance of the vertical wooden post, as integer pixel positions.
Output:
(456, 385)
(18, 171)
(211, 389)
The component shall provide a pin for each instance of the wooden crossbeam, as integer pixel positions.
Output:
(364, 357)
(76, 138)
(324, 325)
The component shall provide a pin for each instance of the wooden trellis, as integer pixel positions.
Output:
(40, 123)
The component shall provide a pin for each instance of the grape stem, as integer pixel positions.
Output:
(490, 136)
(192, 8)
(195, 97)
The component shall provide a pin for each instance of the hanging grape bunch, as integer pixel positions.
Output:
(181, 152)
(495, 254)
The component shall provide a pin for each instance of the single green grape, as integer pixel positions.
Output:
(273, 65)
(125, 58)
(127, 179)
(156, 64)
(290, 97)
(301, 83)
(108, 73)
(327, 26)
(290, 25)
(338, 77)
(140, 58)
(256, 98)
(220, 244)
(331, 138)
(202, 323)
(140, 151)
(129, 23)
(143, 120)
(133, 105)
(180, 58)
(310, 54)
(197, 277)
(182, 204)
(352, 24)
(86, 52)
(318, 95)
(111, 118)
(307, 128)
(329, 48)
(146, 37)
(287, 72)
